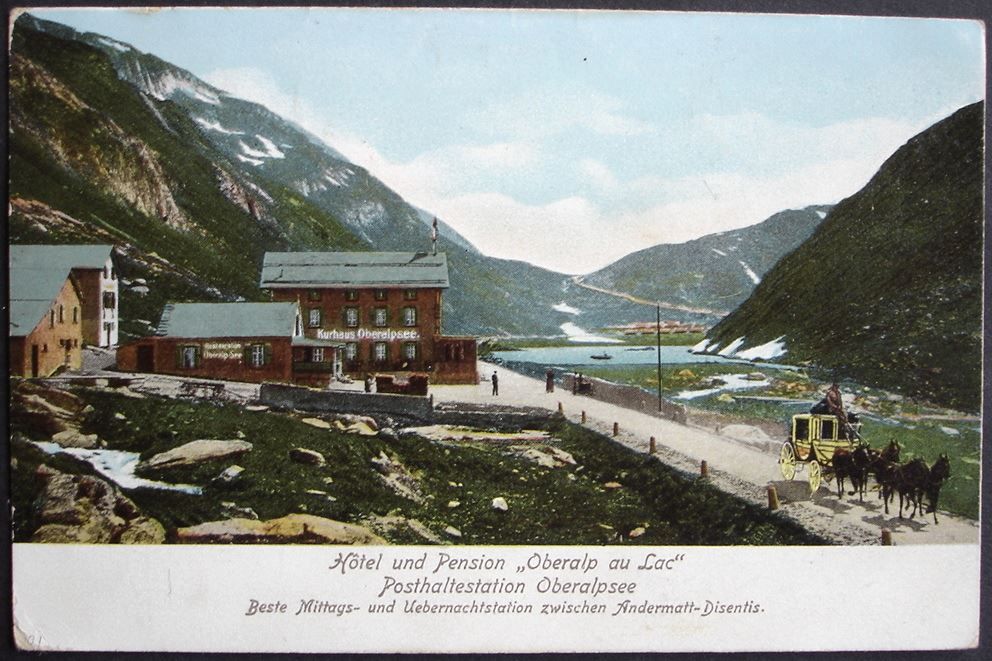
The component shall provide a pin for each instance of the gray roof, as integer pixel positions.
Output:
(32, 291)
(211, 320)
(68, 256)
(354, 269)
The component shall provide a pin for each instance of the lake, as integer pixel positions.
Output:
(620, 355)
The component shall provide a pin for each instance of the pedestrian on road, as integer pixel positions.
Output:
(550, 381)
(495, 381)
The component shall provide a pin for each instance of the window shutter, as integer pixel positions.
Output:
(179, 356)
(246, 354)
(266, 354)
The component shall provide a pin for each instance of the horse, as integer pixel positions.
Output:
(939, 473)
(911, 481)
(852, 465)
(885, 477)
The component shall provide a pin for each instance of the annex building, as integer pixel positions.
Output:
(383, 308)
(235, 341)
(61, 298)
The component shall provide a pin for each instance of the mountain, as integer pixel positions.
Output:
(111, 144)
(717, 271)
(888, 289)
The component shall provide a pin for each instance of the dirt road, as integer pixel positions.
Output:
(735, 466)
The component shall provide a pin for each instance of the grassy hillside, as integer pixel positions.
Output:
(887, 291)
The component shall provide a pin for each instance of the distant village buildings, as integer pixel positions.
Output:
(61, 298)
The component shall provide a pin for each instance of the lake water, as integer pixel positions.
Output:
(577, 356)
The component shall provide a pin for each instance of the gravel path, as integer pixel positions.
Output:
(738, 467)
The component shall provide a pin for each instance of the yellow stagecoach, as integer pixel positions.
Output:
(813, 439)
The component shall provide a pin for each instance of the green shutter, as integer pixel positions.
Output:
(246, 355)
(266, 354)
(179, 356)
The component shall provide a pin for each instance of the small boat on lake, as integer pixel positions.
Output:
(601, 356)
(640, 349)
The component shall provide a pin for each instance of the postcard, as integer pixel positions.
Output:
(461, 330)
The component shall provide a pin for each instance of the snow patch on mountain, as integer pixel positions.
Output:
(116, 45)
(215, 126)
(821, 214)
(306, 187)
(719, 252)
(766, 351)
(338, 176)
(566, 308)
(368, 213)
(576, 334)
(246, 159)
(165, 86)
(700, 347)
(270, 148)
(751, 274)
(731, 348)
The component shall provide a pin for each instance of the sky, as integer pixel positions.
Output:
(571, 138)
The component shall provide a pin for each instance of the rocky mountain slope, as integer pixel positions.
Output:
(110, 144)
(717, 271)
(888, 289)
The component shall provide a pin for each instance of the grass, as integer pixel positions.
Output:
(567, 505)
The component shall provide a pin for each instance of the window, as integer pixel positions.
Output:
(351, 317)
(351, 295)
(317, 355)
(827, 430)
(351, 351)
(380, 352)
(257, 355)
(313, 318)
(410, 316)
(802, 429)
(410, 295)
(109, 300)
(410, 350)
(189, 356)
(381, 317)
(113, 273)
(313, 295)
(75, 315)
(61, 314)
(51, 318)
(106, 272)
(380, 294)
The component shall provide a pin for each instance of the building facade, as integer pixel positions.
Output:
(252, 342)
(95, 275)
(45, 322)
(384, 308)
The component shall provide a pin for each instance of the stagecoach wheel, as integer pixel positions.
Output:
(813, 471)
(787, 461)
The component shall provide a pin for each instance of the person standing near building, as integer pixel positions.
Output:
(549, 381)
(495, 381)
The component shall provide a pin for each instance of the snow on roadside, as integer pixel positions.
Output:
(566, 308)
(733, 382)
(576, 334)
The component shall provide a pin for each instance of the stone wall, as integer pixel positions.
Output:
(630, 397)
(326, 401)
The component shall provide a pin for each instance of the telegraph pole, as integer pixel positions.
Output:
(658, 333)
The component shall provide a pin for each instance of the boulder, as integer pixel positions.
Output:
(453, 531)
(453, 504)
(195, 452)
(305, 456)
(499, 503)
(88, 510)
(316, 422)
(256, 407)
(73, 438)
(230, 475)
(290, 529)
(232, 510)
(388, 433)
(755, 376)
(396, 526)
(612, 485)
(549, 457)
(350, 419)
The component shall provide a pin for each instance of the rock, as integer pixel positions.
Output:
(290, 529)
(361, 429)
(397, 477)
(328, 480)
(499, 503)
(316, 422)
(950, 431)
(548, 457)
(755, 376)
(230, 475)
(120, 416)
(452, 531)
(88, 510)
(195, 452)
(350, 419)
(726, 398)
(316, 492)
(388, 433)
(305, 456)
(73, 438)
(685, 374)
(453, 504)
(636, 532)
(240, 434)
(256, 407)
(232, 510)
(396, 525)
(612, 485)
